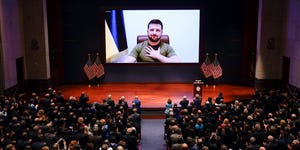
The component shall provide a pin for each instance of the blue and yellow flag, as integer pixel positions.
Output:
(115, 35)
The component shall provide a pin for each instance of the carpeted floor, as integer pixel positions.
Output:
(152, 134)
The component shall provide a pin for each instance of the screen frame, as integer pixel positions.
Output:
(201, 51)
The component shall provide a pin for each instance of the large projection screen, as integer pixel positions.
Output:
(182, 26)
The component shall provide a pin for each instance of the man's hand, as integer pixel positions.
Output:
(155, 54)
(150, 52)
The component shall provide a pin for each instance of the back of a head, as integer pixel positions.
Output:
(270, 138)
(262, 148)
(45, 148)
(9, 147)
(129, 131)
(224, 147)
(120, 147)
(134, 110)
(77, 147)
(252, 140)
(72, 144)
(257, 127)
(184, 146)
(55, 146)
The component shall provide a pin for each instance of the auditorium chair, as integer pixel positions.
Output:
(141, 38)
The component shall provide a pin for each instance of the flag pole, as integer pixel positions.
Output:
(98, 82)
(206, 68)
(87, 69)
(98, 69)
(214, 86)
(207, 55)
(89, 85)
(217, 69)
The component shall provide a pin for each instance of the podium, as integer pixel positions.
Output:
(198, 84)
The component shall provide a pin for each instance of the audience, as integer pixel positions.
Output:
(270, 120)
(53, 122)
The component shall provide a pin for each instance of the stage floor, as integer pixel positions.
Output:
(155, 95)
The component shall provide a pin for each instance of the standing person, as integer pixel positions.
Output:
(197, 101)
(122, 103)
(83, 99)
(184, 103)
(153, 49)
(136, 119)
(219, 99)
(131, 139)
(137, 103)
(208, 103)
(169, 106)
(47, 102)
(59, 99)
(110, 100)
(34, 99)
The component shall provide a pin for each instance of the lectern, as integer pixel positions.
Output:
(198, 84)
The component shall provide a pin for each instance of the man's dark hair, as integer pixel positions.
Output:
(155, 21)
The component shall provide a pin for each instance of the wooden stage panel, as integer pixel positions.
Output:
(155, 95)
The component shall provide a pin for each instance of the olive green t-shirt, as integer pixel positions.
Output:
(139, 52)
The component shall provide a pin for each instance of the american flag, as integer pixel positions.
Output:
(206, 67)
(97, 67)
(88, 68)
(217, 69)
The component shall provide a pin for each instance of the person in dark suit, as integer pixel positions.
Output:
(110, 101)
(197, 101)
(83, 99)
(38, 143)
(136, 119)
(130, 139)
(271, 143)
(184, 102)
(122, 103)
(219, 99)
(34, 99)
(252, 144)
(47, 102)
(59, 99)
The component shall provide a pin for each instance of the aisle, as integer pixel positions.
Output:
(152, 137)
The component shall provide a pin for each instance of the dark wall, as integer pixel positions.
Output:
(83, 33)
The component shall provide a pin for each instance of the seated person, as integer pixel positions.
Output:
(153, 50)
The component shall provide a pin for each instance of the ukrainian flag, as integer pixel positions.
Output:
(115, 35)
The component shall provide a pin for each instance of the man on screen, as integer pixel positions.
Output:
(153, 50)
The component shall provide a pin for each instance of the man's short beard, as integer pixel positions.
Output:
(152, 40)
